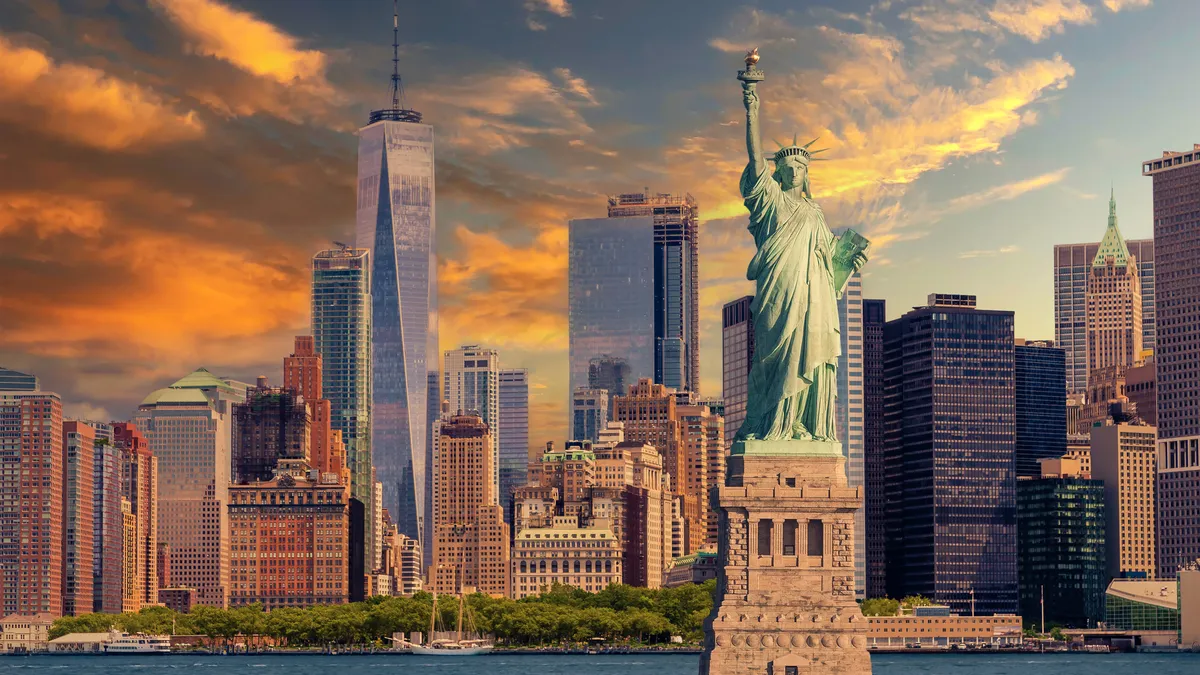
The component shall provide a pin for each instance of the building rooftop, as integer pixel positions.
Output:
(1113, 244)
(1158, 592)
(81, 638)
(558, 531)
(172, 396)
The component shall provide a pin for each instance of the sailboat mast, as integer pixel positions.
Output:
(460, 612)
(432, 620)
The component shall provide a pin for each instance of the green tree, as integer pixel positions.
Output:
(880, 607)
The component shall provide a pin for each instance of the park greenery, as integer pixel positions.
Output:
(890, 607)
(619, 614)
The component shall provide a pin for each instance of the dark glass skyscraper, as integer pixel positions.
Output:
(737, 353)
(676, 283)
(1040, 372)
(949, 417)
(875, 475)
(1060, 521)
(396, 222)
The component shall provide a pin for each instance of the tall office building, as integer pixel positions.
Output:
(1176, 177)
(1072, 267)
(737, 353)
(31, 500)
(189, 426)
(514, 434)
(1040, 372)
(302, 373)
(397, 223)
(1060, 540)
(703, 446)
(610, 373)
(1123, 457)
(472, 386)
(874, 472)
(273, 423)
(471, 541)
(676, 282)
(78, 517)
(610, 298)
(850, 414)
(589, 413)
(107, 522)
(949, 419)
(341, 328)
(1114, 302)
(139, 487)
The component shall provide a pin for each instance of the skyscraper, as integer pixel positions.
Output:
(139, 487)
(1061, 530)
(610, 296)
(874, 471)
(1123, 457)
(676, 283)
(949, 450)
(397, 224)
(1040, 375)
(189, 427)
(107, 522)
(341, 328)
(472, 385)
(1114, 302)
(514, 434)
(78, 520)
(302, 373)
(612, 374)
(273, 423)
(850, 413)
(11, 380)
(471, 541)
(1072, 266)
(1176, 177)
(31, 501)
(589, 413)
(737, 353)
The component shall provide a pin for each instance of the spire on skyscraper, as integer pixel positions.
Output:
(397, 112)
(1113, 244)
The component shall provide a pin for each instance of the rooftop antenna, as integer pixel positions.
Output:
(396, 113)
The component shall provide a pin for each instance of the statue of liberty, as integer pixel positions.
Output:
(799, 272)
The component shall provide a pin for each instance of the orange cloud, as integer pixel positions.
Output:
(85, 105)
(244, 40)
(1036, 20)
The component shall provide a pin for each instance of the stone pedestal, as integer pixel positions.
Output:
(785, 591)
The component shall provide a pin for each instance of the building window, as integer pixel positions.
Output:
(816, 537)
(765, 530)
(789, 536)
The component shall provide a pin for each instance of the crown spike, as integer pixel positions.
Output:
(806, 145)
(817, 152)
(794, 136)
(776, 142)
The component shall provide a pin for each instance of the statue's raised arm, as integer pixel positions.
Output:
(750, 79)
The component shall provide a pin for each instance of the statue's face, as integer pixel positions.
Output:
(791, 172)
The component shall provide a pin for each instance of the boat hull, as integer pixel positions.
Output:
(464, 651)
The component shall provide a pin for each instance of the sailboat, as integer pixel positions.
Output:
(458, 646)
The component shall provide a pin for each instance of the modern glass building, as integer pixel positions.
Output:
(397, 223)
(341, 329)
(1142, 604)
(1061, 549)
(1176, 177)
(11, 380)
(949, 420)
(610, 295)
(850, 413)
(1072, 265)
(1040, 372)
(472, 382)
(514, 434)
(676, 283)
(874, 473)
(589, 414)
(737, 353)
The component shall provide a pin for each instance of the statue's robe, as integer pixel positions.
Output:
(797, 341)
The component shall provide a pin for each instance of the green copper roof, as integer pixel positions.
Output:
(199, 379)
(172, 395)
(1113, 245)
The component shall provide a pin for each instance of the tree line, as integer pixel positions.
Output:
(619, 613)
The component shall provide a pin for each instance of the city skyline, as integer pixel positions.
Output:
(533, 138)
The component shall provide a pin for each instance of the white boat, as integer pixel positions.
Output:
(458, 646)
(138, 643)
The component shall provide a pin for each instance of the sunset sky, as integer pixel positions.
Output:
(168, 167)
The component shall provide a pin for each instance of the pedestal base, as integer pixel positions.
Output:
(788, 448)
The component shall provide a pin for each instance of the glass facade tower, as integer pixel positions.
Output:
(610, 295)
(949, 420)
(737, 353)
(514, 434)
(874, 474)
(396, 223)
(850, 414)
(1040, 372)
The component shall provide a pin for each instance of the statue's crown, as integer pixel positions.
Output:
(794, 150)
